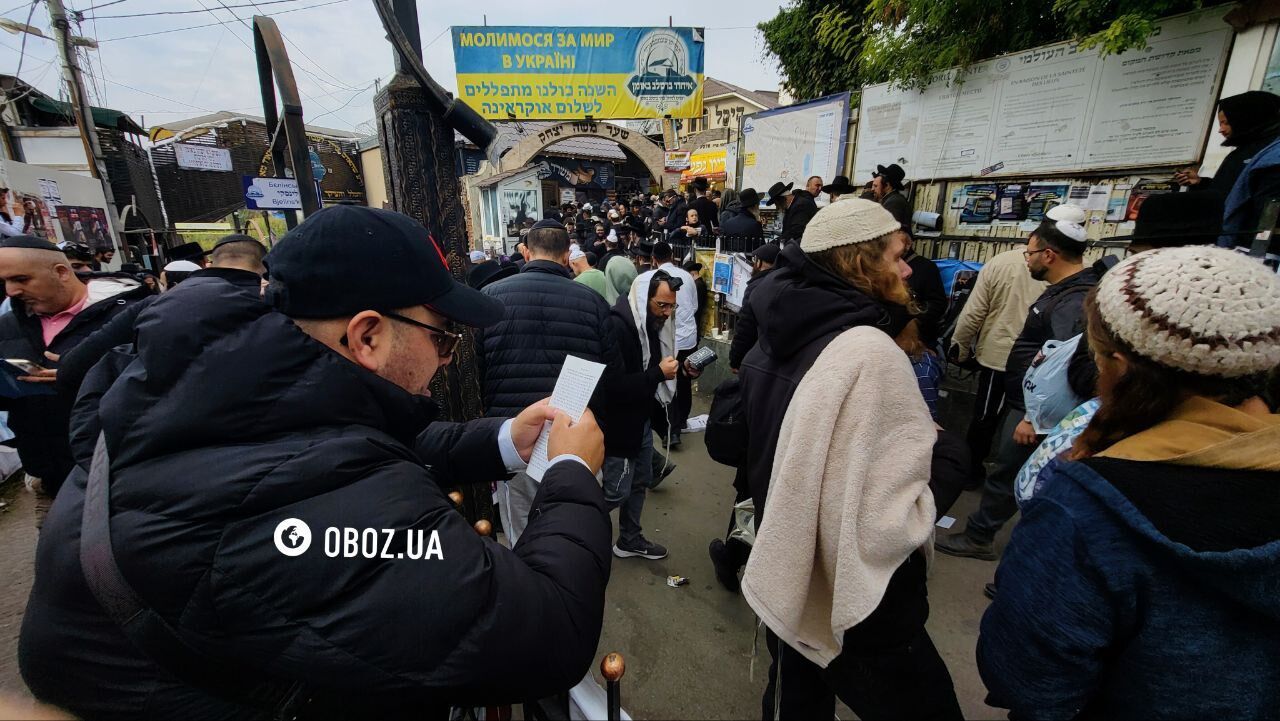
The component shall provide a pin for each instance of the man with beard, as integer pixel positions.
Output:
(642, 324)
(1055, 254)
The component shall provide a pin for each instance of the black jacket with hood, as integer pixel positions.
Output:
(800, 307)
(40, 422)
(229, 421)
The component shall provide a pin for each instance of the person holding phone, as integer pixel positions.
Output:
(53, 311)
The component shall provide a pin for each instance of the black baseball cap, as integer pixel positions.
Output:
(767, 253)
(348, 258)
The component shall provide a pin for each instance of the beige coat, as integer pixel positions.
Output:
(849, 496)
(997, 309)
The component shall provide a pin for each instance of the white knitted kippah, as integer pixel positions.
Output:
(1204, 310)
(850, 221)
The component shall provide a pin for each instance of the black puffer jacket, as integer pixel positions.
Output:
(40, 421)
(800, 308)
(231, 420)
(547, 317)
(1058, 314)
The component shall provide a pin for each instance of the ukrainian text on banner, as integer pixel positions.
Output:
(566, 73)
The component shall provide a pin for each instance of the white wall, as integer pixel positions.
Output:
(55, 150)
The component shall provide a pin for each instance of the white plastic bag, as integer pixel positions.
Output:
(1045, 389)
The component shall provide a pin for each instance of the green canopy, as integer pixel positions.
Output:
(102, 117)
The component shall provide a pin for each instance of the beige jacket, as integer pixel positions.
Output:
(849, 496)
(997, 309)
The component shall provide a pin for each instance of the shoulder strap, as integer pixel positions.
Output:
(146, 628)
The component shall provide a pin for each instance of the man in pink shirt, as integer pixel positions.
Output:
(53, 310)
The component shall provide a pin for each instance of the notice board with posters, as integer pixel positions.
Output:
(1054, 109)
(570, 73)
(793, 143)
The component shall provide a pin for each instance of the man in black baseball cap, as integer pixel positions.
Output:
(277, 500)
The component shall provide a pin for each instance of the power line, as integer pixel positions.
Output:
(187, 12)
(209, 25)
(362, 91)
(103, 5)
(23, 50)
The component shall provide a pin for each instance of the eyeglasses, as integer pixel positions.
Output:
(1028, 253)
(446, 341)
(666, 306)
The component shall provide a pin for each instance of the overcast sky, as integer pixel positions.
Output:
(337, 49)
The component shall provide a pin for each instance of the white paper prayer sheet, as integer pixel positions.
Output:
(946, 522)
(574, 387)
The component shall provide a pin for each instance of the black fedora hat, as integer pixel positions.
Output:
(777, 191)
(749, 198)
(839, 186)
(482, 274)
(892, 173)
(643, 249)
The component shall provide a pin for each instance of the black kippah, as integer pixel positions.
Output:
(548, 223)
(28, 241)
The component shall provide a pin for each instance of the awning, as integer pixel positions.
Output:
(102, 117)
(705, 164)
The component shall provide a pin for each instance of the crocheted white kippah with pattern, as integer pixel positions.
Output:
(1200, 309)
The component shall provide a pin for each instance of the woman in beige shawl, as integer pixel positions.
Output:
(840, 442)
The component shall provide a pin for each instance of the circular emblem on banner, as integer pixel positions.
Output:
(662, 80)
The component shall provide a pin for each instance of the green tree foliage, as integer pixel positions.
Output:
(827, 47)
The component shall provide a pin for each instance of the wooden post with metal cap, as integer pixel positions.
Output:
(83, 112)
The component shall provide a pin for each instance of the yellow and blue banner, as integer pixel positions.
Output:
(569, 73)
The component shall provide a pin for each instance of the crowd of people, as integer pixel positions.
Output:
(191, 438)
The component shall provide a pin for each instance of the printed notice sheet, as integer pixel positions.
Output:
(577, 381)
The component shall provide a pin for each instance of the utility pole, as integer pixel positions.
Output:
(84, 115)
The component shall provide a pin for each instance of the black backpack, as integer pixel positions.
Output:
(726, 434)
(961, 288)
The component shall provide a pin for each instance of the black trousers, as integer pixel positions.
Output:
(910, 681)
(683, 403)
(987, 405)
(889, 668)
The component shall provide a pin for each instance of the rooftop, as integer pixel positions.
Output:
(712, 88)
(164, 131)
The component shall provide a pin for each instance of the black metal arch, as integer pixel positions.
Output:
(275, 72)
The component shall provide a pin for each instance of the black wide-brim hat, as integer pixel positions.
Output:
(348, 258)
(777, 191)
(892, 173)
(482, 274)
(839, 186)
(643, 249)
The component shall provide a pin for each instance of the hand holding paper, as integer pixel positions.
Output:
(577, 381)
